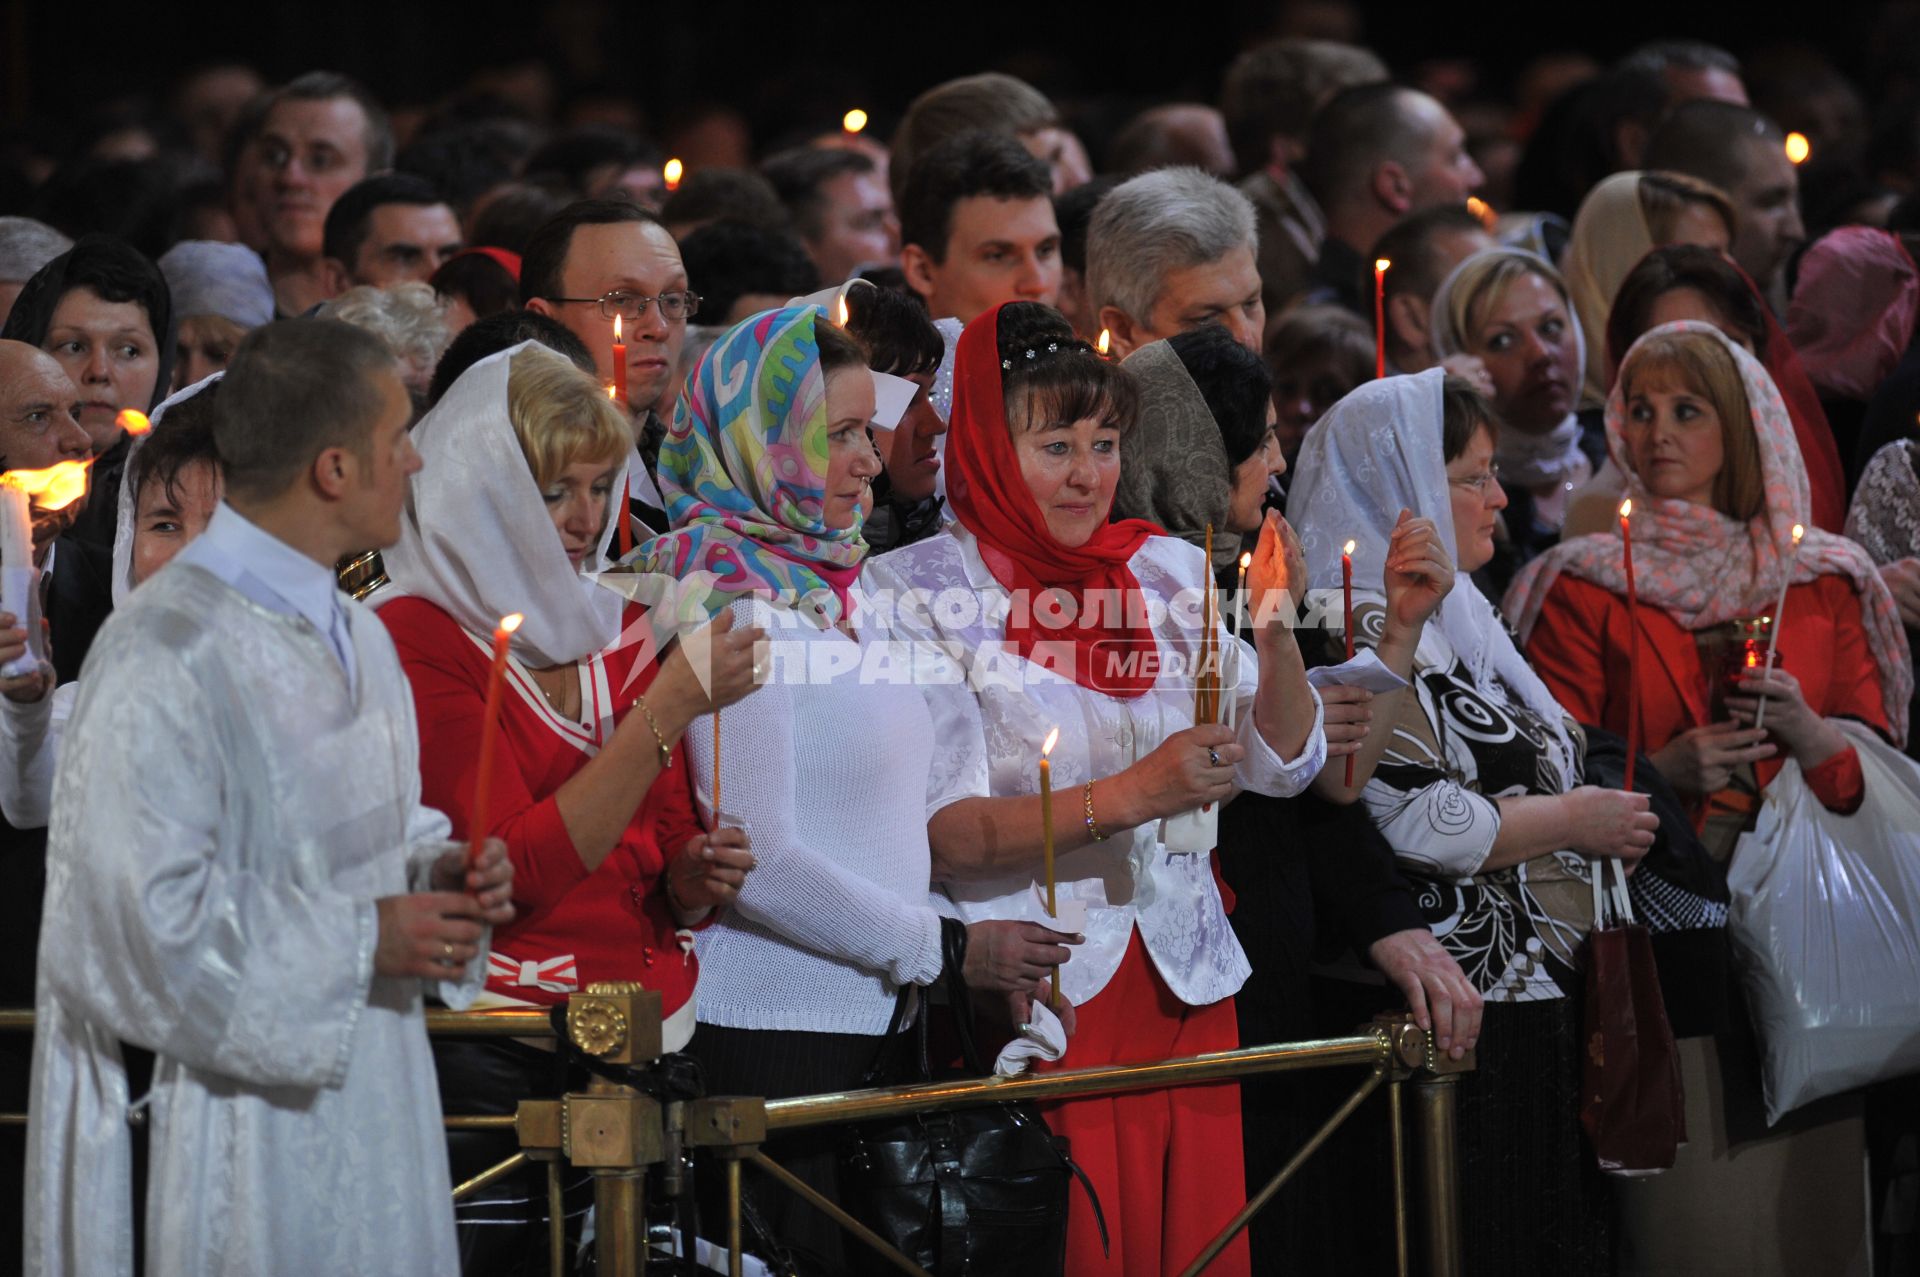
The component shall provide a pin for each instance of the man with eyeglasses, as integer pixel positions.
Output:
(597, 259)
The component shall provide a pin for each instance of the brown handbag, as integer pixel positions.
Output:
(1632, 1104)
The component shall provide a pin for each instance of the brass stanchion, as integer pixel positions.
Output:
(613, 1130)
(1397, 1152)
(492, 1175)
(1433, 1101)
(1279, 1181)
(556, 1222)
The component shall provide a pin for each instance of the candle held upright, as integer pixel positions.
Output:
(1633, 643)
(1346, 609)
(1380, 267)
(1779, 619)
(490, 735)
(1046, 836)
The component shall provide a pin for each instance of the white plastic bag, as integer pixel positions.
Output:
(1825, 924)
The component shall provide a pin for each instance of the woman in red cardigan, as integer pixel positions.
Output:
(1718, 487)
(589, 788)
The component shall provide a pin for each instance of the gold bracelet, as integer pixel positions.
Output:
(1093, 830)
(666, 755)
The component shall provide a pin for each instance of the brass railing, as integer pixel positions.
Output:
(617, 1133)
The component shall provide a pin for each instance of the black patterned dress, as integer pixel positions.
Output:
(1533, 1201)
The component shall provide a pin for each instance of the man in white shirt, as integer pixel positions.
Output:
(240, 876)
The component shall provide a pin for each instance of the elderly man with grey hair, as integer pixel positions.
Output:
(25, 246)
(1169, 251)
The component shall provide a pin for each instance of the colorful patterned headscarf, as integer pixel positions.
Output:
(744, 469)
(1702, 567)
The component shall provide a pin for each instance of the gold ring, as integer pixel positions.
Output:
(446, 947)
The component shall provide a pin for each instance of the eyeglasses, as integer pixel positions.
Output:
(1478, 483)
(674, 307)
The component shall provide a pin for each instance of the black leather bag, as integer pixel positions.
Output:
(972, 1191)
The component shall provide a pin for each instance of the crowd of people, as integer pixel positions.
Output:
(834, 491)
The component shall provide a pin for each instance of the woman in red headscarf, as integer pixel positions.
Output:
(1062, 620)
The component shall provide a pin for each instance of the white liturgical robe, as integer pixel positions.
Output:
(228, 807)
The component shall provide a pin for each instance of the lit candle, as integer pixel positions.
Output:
(671, 172)
(1239, 621)
(716, 769)
(1380, 266)
(1046, 836)
(1633, 643)
(619, 364)
(54, 488)
(1484, 211)
(490, 734)
(853, 121)
(133, 421)
(1798, 148)
(841, 313)
(1106, 340)
(1779, 619)
(16, 570)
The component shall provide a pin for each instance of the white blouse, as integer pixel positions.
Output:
(989, 721)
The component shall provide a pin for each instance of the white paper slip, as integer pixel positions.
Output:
(1072, 917)
(1364, 671)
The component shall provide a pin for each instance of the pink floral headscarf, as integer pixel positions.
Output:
(1702, 567)
(1854, 309)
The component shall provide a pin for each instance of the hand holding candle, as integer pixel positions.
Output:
(490, 734)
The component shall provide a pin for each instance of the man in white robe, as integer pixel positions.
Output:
(242, 880)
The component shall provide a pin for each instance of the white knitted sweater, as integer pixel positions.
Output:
(828, 773)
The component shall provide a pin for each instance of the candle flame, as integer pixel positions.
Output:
(610, 392)
(1106, 340)
(1348, 549)
(1484, 211)
(672, 173)
(1626, 508)
(841, 309)
(1246, 561)
(1381, 265)
(511, 623)
(616, 330)
(1753, 659)
(1046, 746)
(56, 487)
(1798, 148)
(853, 121)
(133, 421)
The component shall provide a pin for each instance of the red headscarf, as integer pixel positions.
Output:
(991, 501)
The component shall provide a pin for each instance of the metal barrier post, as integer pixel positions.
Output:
(1433, 1102)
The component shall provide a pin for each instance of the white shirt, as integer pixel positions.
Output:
(989, 737)
(273, 574)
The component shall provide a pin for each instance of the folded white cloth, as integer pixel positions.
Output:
(1044, 1037)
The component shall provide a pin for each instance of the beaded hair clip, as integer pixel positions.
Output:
(1033, 353)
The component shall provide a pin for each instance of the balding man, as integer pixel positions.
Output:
(1169, 251)
(1743, 153)
(1378, 154)
(39, 425)
(1177, 135)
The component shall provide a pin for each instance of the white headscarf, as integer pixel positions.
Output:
(1380, 451)
(123, 514)
(476, 539)
(1526, 461)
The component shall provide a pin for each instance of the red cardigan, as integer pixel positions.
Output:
(572, 927)
(1580, 648)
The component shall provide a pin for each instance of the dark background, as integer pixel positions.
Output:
(795, 67)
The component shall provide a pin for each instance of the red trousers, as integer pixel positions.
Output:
(1167, 1164)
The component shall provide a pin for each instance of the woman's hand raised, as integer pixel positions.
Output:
(1419, 572)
